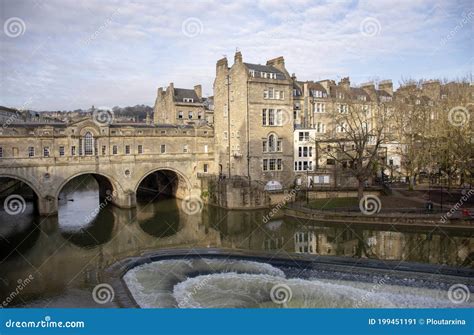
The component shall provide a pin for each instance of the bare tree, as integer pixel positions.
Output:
(357, 137)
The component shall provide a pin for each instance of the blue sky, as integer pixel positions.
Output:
(69, 54)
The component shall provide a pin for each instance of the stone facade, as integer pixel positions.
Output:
(47, 156)
(253, 120)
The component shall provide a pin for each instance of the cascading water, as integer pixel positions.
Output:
(229, 283)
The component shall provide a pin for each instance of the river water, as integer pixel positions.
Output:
(57, 261)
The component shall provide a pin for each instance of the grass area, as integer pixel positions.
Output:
(333, 203)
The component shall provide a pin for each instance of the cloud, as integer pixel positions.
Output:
(83, 53)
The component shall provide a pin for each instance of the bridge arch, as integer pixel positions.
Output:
(167, 179)
(31, 185)
(109, 187)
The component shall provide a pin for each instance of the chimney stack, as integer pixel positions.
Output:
(198, 90)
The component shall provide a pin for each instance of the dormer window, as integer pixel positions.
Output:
(317, 93)
(362, 98)
(188, 100)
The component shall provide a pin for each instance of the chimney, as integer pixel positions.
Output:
(345, 83)
(278, 63)
(222, 64)
(432, 89)
(198, 90)
(238, 57)
(387, 86)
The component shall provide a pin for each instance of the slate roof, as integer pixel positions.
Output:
(182, 93)
(265, 68)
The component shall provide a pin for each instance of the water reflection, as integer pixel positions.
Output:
(68, 252)
(166, 223)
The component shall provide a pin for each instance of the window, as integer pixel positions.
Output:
(61, 151)
(342, 108)
(46, 151)
(163, 148)
(264, 117)
(185, 148)
(226, 110)
(206, 148)
(104, 150)
(320, 127)
(278, 146)
(31, 151)
(188, 100)
(114, 150)
(272, 164)
(271, 143)
(88, 144)
(320, 107)
(225, 135)
(190, 115)
(205, 168)
(303, 136)
(199, 115)
(127, 150)
(180, 115)
(140, 149)
(341, 128)
(271, 117)
(73, 150)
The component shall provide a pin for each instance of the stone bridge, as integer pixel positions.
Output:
(119, 156)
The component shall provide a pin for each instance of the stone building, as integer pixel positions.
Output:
(253, 120)
(180, 106)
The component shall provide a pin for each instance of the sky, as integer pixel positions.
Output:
(71, 54)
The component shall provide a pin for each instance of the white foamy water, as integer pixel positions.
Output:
(216, 283)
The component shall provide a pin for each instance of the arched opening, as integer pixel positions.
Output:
(85, 210)
(157, 206)
(15, 192)
(18, 220)
(162, 184)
